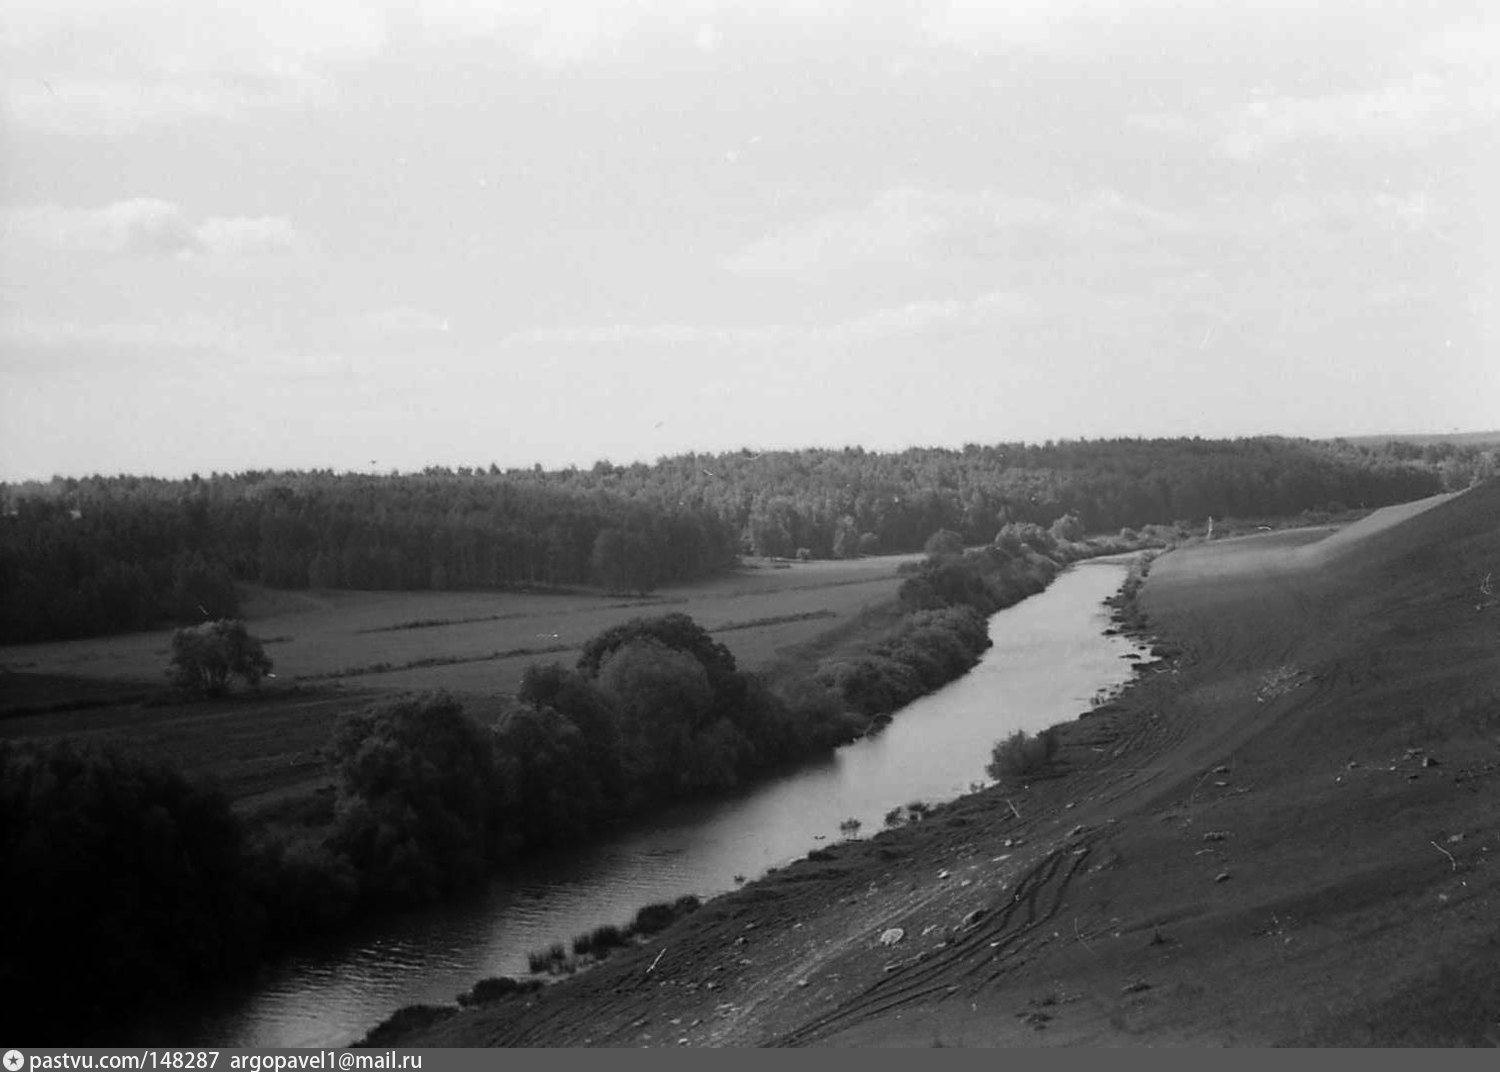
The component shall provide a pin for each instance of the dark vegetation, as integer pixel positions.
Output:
(205, 657)
(122, 879)
(428, 801)
(80, 557)
(1022, 757)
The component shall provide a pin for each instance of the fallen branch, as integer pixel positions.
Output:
(1445, 852)
(1079, 936)
(1016, 813)
(658, 959)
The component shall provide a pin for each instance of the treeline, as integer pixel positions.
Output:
(97, 555)
(161, 889)
(837, 503)
(82, 557)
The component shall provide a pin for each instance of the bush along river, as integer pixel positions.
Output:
(1051, 659)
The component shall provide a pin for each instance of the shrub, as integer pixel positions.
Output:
(653, 918)
(1022, 756)
(405, 1020)
(600, 940)
(552, 959)
(495, 988)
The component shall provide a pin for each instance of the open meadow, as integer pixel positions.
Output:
(336, 651)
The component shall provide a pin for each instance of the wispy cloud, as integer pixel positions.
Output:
(146, 227)
(923, 227)
(25, 332)
(1442, 83)
(890, 322)
(402, 321)
(97, 69)
(1407, 111)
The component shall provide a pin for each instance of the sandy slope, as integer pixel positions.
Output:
(1287, 833)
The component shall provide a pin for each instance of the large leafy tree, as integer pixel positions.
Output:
(421, 805)
(205, 657)
(664, 698)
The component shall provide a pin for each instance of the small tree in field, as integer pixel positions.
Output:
(205, 657)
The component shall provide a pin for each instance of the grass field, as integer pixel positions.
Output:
(341, 651)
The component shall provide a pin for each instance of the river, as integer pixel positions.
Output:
(1049, 660)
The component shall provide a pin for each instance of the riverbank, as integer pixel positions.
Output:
(1283, 834)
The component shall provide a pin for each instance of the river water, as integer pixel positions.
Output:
(1049, 661)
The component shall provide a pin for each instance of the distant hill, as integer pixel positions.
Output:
(1457, 439)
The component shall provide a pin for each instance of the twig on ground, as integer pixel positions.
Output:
(1194, 793)
(1079, 936)
(1016, 813)
(1452, 862)
(658, 958)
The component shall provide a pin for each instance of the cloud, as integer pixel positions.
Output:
(1346, 212)
(146, 227)
(403, 320)
(101, 69)
(891, 322)
(668, 335)
(1407, 112)
(222, 236)
(22, 331)
(988, 311)
(1048, 26)
(94, 68)
(915, 227)
(1434, 85)
(115, 108)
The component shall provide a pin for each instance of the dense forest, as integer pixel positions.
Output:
(104, 554)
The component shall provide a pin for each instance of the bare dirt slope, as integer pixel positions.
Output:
(1284, 833)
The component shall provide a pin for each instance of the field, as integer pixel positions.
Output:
(338, 651)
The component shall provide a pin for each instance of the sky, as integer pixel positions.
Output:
(366, 235)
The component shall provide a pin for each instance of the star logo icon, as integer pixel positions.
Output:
(14, 1059)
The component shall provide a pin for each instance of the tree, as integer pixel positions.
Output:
(621, 561)
(664, 698)
(1067, 529)
(120, 862)
(205, 657)
(944, 542)
(845, 538)
(421, 806)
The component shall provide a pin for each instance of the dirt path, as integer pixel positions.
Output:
(1285, 833)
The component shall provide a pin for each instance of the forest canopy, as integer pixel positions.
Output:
(88, 556)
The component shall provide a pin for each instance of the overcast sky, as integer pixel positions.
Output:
(356, 233)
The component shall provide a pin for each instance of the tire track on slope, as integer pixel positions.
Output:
(995, 937)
